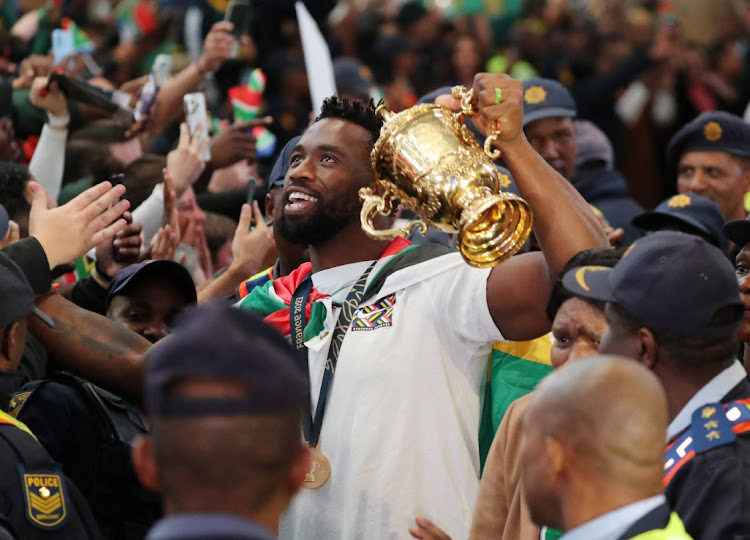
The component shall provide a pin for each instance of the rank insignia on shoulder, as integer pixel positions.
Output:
(710, 428)
(44, 495)
(16, 403)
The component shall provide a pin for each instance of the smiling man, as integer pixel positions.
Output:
(711, 155)
(396, 376)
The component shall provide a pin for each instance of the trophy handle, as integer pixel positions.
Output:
(466, 95)
(375, 204)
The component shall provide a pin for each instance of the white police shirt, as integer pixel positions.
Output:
(401, 424)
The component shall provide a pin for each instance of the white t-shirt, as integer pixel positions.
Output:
(401, 423)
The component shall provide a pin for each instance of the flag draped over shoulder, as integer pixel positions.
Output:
(271, 301)
(514, 369)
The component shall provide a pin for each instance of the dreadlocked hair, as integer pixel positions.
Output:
(357, 112)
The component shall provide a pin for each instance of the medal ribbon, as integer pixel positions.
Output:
(311, 426)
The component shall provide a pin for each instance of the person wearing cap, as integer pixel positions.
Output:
(580, 472)
(674, 306)
(90, 430)
(711, 156)
(148, 296)
(354, 80)
(35, 496)
(689, 213)
(290, 255)
(738, 232)
(549, 112)
(234, 380)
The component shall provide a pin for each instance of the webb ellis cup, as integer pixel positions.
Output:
(427, 159)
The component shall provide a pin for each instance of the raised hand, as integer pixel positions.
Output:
(164, 245)
(235, 144)
(67, 232)
(185, 163)
(250, 247)
(31, 67)
(217, 47)
(48, 97)
(123, 250)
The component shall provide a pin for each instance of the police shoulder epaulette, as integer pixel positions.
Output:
(710, 428)
(713, 425)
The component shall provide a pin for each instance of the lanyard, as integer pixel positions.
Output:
(311, 426)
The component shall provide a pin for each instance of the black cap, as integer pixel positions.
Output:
(4, 222)
(738, 231)
(545, 98)
(353, 77)
(699, 214)
(713, 131)
(135, 273)
(670, 281)
(215, 341)
(281, 165)
(16, 295)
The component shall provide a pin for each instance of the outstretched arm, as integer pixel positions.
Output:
(518, 290)
(92, 346)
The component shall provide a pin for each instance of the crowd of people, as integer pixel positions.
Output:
(199, 340)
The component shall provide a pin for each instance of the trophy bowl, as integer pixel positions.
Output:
(428, 160)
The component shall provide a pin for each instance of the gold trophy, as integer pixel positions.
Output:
(428, 159)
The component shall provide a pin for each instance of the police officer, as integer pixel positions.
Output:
(673, 305)
(688, 213)
(549, 112)
(580, 472)
(711, 155)
(36, 498)
(224, 396)
(90, 430)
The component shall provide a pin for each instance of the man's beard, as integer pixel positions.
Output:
(325, 223)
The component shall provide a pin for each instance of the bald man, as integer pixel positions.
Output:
(592, 453)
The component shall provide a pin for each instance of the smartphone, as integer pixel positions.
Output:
(196, 115)
(238, 13)
(162, 68)
(62, 45)
(146, 98)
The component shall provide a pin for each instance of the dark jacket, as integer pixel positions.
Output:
(607, 191)
(711, 491)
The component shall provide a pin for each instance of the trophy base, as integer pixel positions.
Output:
(493, 229)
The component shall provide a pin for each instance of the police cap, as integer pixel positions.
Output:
(713, 131)
(670, 281)
(218, 342)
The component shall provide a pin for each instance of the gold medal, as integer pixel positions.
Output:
(320, 469)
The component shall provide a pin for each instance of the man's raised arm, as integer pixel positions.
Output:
(518, 290)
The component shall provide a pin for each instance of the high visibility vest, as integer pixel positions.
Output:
(8, 419)
(674, 530)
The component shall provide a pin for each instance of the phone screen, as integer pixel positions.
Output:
(146, 97)
(196, 115)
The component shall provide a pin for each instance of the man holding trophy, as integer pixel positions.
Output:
(396, 336)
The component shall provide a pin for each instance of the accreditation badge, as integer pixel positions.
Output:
(44, 497)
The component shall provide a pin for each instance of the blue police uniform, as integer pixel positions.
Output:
(707, 479)
(90, 431)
